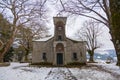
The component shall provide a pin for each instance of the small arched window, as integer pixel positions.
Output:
(74, 56)
(44, 56)
(59, 38)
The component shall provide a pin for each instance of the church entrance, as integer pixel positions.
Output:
(59, 58)
(59, 54)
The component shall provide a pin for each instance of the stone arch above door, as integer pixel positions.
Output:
(59, 47)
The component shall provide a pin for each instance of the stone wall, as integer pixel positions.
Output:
(40, 47)
(79, 48)
(49, 47)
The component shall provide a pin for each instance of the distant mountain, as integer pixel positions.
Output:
(104, 54)
(111, 52)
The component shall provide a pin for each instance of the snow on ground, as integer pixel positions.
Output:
(112, 68)
(17, 71)
(91, 74)
(22, 71)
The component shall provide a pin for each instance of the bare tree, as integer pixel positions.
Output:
(103, 9)
(90, 33)
(87, 7)
(27, 34)
(20, 13)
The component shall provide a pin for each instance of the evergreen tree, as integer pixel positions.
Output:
(8, 56)
(5, 30)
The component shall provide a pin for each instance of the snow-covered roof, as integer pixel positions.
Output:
(74, 38)
(44, 39)
(16, 44)
(71, 38)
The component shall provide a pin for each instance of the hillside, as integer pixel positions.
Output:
(104, 55)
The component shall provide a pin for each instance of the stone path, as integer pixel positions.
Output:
(60, 74)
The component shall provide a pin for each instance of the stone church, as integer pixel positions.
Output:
(59, 49)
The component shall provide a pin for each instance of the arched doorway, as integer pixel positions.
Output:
(59, 53)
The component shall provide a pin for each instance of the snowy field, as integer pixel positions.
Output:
(21, 71)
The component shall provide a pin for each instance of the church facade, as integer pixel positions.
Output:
(59, 49)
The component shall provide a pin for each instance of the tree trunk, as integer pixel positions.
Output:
(26, 55)
(116, 43)
(8, 45)
(117, 48)
(115, 26)
(1, 59)
(91, 58)
(27, 51)
(91, 53)
(118, 58)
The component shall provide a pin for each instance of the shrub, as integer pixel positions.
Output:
(42, 63)
(73, 64)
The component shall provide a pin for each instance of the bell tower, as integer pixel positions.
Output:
(59, 23)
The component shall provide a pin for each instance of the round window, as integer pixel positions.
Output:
(59, 28)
